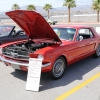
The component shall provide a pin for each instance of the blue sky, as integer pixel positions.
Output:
(7, 4)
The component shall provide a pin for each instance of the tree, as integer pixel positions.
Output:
(15, 7)
(96, 6)
(31, 7)
(69, 4)
(47, 7)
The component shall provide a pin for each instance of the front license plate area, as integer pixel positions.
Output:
(15, 66)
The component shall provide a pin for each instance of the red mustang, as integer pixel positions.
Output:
(58, 46)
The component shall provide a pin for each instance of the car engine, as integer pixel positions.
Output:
(21, 50)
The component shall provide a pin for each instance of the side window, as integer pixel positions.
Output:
(85, 33)
(91, 34)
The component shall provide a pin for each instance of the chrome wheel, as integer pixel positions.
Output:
(98, 51)
(58, 68)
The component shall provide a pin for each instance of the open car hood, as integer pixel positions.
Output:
(34, 25)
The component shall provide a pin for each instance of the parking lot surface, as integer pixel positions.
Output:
(81, 81)
(13, 83)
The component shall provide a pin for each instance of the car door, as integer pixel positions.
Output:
(5, 39)
(67, 35)
(87, 44)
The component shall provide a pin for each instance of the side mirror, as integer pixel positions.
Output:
(80, 38)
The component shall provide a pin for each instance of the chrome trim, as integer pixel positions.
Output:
(20, 63)
(16, 58)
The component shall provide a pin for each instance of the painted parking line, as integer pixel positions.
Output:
(65, 95)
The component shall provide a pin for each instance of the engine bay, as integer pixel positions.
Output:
(22, 50)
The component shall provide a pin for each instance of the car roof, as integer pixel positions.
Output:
(72, 26)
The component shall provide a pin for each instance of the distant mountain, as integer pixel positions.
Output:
(78, 8)
(82, 7)
(61, 9)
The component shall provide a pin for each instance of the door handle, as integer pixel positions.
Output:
(91, 42)
(82, 45)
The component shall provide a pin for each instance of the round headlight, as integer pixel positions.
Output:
(40, 56)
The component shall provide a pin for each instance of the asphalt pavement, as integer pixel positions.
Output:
(81, 81)
(13, 83)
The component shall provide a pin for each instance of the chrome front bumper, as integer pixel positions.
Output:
(20, 63)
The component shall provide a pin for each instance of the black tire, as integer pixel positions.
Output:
(58, 68)
(97, 53)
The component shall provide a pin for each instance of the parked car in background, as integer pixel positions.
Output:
(51, 22)
(9, 33)
(58, 46)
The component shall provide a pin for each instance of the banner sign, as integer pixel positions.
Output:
(34, 73)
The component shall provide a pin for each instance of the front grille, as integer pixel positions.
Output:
(16, 52)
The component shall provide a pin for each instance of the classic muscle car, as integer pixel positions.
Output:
(57, 46)
(9, 33)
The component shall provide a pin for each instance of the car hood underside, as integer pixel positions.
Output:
(34, 25)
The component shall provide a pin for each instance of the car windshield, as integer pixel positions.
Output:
(65, 33)
(5, 30)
